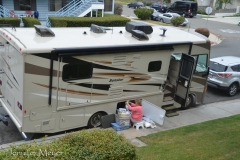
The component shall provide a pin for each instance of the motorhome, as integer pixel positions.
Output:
(63, 78)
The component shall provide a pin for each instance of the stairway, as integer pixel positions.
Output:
(4, 12)
(168, 102)
(75, 8)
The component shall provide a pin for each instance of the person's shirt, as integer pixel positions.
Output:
(36, 14)
(137, 112)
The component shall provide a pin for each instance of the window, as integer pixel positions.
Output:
(55, 5)
(236, 68)
(108, 5)
(217, 67)
(25, 5)
(154, 66)
(186, 68)
(201, 62)
(77, 71)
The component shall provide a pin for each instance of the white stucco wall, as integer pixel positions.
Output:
(203, 2)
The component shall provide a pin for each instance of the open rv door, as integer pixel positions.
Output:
(184, 79)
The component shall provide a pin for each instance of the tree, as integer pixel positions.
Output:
(220, 3)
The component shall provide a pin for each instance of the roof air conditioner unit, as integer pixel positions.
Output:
(147, 29)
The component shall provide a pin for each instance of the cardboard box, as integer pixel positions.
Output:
(124, 114)
(122, 121)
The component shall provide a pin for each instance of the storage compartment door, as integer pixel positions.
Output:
(77, 93)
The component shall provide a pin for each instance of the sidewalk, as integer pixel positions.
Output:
(191, 116)
(187, 117)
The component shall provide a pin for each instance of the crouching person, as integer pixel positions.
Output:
(137, 110)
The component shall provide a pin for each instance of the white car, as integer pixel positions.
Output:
(166, 18)
(225, 74)
(239, 23)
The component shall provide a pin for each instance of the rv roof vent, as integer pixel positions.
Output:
(140, 35)
(98, 29)
(147, 29)
(44, 31)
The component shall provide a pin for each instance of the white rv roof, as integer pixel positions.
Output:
(31, 42)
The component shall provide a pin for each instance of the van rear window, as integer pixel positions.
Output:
(194, 6)
(217, 67)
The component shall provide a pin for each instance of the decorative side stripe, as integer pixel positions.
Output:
(38, 70)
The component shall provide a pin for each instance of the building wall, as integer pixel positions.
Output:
(203, 2)
(42, 8)
(234, 4)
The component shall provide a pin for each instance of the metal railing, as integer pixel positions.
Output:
(73, 8)
(5, 12)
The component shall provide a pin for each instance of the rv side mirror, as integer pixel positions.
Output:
(207, 73)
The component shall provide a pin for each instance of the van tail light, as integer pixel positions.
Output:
(225, 75)
(189, 11)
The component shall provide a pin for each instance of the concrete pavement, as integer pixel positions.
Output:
(191, 116)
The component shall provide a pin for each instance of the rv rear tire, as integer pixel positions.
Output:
(95, 120)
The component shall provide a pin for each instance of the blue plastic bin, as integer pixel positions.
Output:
(117, 127)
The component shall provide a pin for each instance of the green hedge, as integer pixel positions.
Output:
(30, 22)
(13, 21)
(96, 144)
(176, 21)
(143, 13)
(107, 20)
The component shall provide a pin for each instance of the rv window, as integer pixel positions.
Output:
(186, 68)
(154, 66)
(201, 62)
(176, 56)
(77, 71)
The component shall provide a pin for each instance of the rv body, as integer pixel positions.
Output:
(51, 84)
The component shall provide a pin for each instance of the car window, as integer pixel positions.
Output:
(236, 68)
(165, 15)
(173, 5)
(217, 67)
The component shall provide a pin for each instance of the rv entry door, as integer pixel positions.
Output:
(184, 78)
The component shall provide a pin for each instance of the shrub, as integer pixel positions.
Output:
(234, 15)
(15, 22)
(147, 3)
(176, 21)
(58, 21)
(107, 20)
(100, 144)
(118, 9)
(201, 12)
(143, 13)
(203, 31)
(30, 22)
